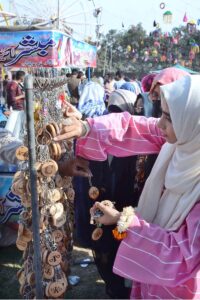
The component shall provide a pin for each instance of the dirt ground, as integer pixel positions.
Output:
(90, 286)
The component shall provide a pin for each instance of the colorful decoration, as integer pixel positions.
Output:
(191, 55)
(167, 17)
(185, 18)
(128, 48)
(162, 5)
(191, 26)
(157, 44)
(154, 52)
(195, 48)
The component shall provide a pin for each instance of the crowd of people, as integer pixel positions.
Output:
(140, 140)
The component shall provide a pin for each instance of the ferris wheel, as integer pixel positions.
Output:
(79, 18)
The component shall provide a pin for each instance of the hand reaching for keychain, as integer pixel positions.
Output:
(74, 129)
(74, 167)
(71, 111)
(110, 215)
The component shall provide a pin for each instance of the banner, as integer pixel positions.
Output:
(37, 48)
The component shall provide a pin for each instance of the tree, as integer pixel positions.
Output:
(133, 51)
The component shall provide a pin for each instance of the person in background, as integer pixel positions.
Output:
(5, 83)
(165, 76)
(73, 84)
(91, 102)
(15, 94)
(119, 79)
(108, 85)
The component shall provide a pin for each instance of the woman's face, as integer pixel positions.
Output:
(165, 124)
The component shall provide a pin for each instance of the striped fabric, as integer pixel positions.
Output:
(163, 265)
(108, 132)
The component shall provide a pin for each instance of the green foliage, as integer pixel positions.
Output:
(134, 51)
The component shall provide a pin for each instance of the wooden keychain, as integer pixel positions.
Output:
(93, 190)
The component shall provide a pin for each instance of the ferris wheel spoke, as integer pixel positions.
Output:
(71, 5)
(77, 14)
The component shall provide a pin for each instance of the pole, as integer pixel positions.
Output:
(111, 58)
(58, 24)
(104, 66)
(28, 85)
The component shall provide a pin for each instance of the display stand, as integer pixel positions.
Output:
(46, 224)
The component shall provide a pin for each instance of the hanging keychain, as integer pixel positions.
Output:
(93, 190)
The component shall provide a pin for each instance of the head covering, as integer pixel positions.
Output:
(91, 103)
(128, 86)
(131, 86)
(123, 99)
(166, 76)
(147, 82)
(173, 187)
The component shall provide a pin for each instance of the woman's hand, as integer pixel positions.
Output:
(71, 111)
(74, 167)
(75, 129)
(110, 215)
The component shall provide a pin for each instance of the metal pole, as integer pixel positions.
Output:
(28, 85)
(104, 66)
(111, 58)
(58, 15)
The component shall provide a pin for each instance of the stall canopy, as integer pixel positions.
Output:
(179, 67)
(44, 48)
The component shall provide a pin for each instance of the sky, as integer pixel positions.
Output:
(114, 12)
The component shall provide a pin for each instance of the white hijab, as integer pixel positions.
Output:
(123, 99)
(177, 168)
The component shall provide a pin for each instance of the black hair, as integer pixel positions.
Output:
(20, 74)
(119, 74)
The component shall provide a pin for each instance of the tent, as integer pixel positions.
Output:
(185, 69)
(179, 67)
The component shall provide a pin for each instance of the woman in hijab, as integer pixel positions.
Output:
(116, 178)
(163, 77)
(161, 250)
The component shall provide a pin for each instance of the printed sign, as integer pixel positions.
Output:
(37, 48)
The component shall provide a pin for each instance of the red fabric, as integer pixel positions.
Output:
(14, 90)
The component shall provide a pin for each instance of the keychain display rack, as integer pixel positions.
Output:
(46, 223)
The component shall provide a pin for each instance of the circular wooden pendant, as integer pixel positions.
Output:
(55, 195)
(21, 277)
(48, 272)
(56, 209)
(49, 168)
(93, 193)
(56, 289)
(21, 245)
(22, 153)
(97, 233)
(27, 235)
(70, 194)
(31, 278)
(57, 235)
(54, 258)
(59, 221)
(63, 281)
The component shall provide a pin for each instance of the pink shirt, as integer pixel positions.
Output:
(162, 264)
(139, 135)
